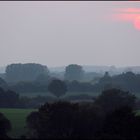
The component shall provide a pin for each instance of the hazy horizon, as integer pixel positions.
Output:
(61, 66)
(61, 33)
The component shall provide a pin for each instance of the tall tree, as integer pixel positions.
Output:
(74, 72)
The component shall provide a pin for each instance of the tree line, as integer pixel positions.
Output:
(111, 116)
(36, 78)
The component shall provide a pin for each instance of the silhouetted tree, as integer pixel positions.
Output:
(9, 99)
(74, 72)
(53, 120)
(5, 127)
(65, 120)
(33, 123)
(122, 123)
(112, 99)
(83, 121)
(57, 87)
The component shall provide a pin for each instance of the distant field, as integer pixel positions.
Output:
(17, 118)
(137, 95)
(33, 94)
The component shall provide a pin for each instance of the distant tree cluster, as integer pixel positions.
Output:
(32, 77)
(24, 72)
(3, 84)
(125, 81)
(74, 72)
(30, 87)
(9, 99)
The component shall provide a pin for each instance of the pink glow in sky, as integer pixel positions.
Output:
(58, 33)
(128, 15)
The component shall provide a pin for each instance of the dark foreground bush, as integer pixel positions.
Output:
(5, 127)
(64, 120)
(87, 120)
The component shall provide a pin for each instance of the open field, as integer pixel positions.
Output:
(34, 94)
(17, 118)
(138, 112)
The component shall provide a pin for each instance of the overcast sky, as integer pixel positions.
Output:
(61, 33)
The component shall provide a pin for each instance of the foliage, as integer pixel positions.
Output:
(112, 99)
(122, 123)
(17, 117)
(24, 72)
(9, 98)
(57, 87)
(30, 87)
(64, 120)
(74, 72)
(75, 120)
(5, 126)
(3, 84)
(125, 81)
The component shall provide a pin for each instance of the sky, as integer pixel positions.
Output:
(58, 33)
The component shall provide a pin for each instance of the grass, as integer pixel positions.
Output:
(138, 112)
(17, 118)
(34, 94)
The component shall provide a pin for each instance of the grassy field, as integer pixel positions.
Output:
(17, 118)
(34, 94)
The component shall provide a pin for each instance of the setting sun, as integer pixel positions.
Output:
(137, 23)
(128, 15)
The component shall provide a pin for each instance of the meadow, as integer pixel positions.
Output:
(34, 94)
(17, 118)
